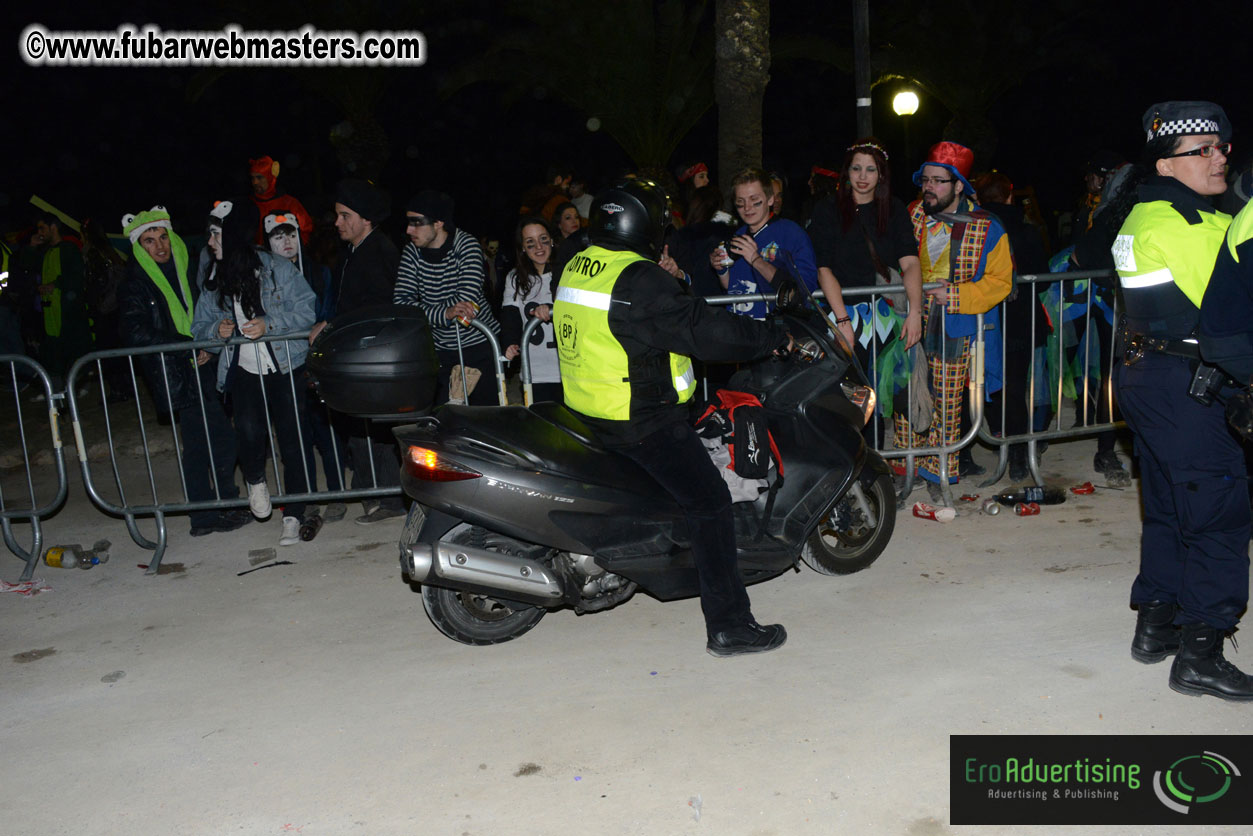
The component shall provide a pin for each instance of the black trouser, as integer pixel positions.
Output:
(331, 444)
(372, 448)
(197, 444)
(1194, 546)
(675, 457)
(254, 395)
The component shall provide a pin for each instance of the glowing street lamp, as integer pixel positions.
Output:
(905, 104)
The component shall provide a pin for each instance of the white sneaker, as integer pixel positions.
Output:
(259, 500)
(291, 531)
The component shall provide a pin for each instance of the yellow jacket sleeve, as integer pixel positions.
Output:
(995, 284)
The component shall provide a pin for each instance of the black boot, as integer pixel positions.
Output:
(1156, 635)
(746, 638)
(1200, 667)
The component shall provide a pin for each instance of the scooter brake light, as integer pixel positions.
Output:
(424, 463)
(861, 397)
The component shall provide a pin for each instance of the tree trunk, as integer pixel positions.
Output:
(741, 73)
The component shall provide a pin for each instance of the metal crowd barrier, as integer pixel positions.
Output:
(28, 505)
(870, 324)
(116, 489)
(1086, 341)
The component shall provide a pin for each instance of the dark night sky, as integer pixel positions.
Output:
(107, 141)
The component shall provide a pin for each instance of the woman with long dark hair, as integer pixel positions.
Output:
(255, 293)
(1193, 582)
(528, 293)
(862, 238)
(862, 234)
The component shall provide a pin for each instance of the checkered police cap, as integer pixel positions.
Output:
(1185, 119)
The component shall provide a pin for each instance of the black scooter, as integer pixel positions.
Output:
(520, 510)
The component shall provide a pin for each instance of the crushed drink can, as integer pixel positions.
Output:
(932, 512)
(1027, 509)
(1085, 488)
(991, 507)
(465, 321)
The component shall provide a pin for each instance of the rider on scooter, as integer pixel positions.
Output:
(626, 330)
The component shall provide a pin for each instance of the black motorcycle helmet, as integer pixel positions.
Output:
(633, 214)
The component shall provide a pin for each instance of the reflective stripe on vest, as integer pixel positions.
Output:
(1163, 276)
(594, 367)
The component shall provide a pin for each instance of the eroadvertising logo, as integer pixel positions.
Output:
(1099, 779)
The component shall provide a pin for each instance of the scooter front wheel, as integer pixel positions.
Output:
(844, 541)
(473, 618)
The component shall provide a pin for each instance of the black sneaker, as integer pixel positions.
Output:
(383, 512)
(747, 638)
(214, 526)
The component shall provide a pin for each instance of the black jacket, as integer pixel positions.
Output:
(367, 275)
(144, 319)
(652, 314)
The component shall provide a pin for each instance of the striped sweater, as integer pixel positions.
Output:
(437, 285)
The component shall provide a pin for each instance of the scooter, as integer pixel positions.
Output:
(520, 510)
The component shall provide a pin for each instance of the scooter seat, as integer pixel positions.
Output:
(559, 415)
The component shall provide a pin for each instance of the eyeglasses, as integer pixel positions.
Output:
(935, 181)
(418, 220)
(535, 245)
(1205, 151)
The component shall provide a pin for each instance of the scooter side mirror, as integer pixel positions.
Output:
(789, 296)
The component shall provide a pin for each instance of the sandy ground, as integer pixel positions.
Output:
(317, 698)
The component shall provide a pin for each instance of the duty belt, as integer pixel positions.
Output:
(1138, 344)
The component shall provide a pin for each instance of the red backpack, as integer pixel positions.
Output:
(740, 420)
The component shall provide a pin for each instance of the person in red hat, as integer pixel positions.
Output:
(263, 174)
(966, 249)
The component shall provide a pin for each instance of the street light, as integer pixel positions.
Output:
(905, 103)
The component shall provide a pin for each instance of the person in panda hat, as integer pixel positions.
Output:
(253, 293)
(282, 234)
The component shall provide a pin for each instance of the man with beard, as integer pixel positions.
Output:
(967, 249)
(441, 272)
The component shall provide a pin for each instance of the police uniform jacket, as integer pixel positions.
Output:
(652, 314)
(1164, 255)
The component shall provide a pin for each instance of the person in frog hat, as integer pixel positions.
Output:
(263, 176)
(155, 305)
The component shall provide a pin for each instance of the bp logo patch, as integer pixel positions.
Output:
(567, 337)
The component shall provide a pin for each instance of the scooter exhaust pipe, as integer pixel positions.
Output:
(478, 570)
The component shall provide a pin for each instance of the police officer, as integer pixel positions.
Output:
(1194, 565)
(625, 332)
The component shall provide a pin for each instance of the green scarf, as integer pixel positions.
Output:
(179, 312)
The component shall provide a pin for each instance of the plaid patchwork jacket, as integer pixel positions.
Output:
(980, 267)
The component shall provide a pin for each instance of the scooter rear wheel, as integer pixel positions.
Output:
(473, 618)
(844, 542)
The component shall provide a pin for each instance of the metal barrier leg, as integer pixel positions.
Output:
(158, 548)
(31, 557)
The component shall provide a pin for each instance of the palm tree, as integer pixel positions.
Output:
(742, 47)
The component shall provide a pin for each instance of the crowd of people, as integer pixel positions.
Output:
(963, 238)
